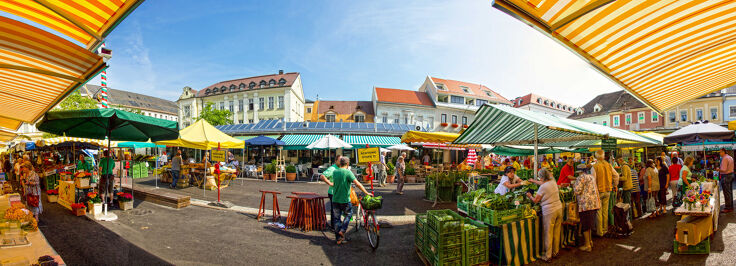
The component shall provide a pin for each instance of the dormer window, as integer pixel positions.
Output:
(539, 100)
(282, 82)
(214, 90)
(272, 83)
(223, 89)
(579, 111)
(263, 84)
(441, 86)
(546, 102)
(332, 107)
(465, 89)
(489, 94)
(252, 85)
(359, 117)
(232, 87)
(597, 108)
(205, 92)
(242, 86)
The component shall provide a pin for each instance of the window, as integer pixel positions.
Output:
(261, 103)
(683, 115)
(222, 106)
(250, 121)
(655, 116)
(251, 85)
(714, 113)
(491, 95)
(207, 91)
(187, 111)
(640, 118)
(240, 105)
(454, 119)
(384, 119)
(616, 121)
(270, 103)
(282, 82)
(465, 120)
(330, 117)
(597, 108)
(406, 119)
(397, 119)
(240, 121)
(440, 86)
(359, 118)
(699, 114)
(443, 118)
(231, 106)
(457, 99)
(732, 111)
(271, 83)
(539, 100)
(281, 102)
(232, 87)
(628, 119)
(673, 117)
(465, 89)
(605, 123)
(480, 102)
(309, 109)
(242, 86)
(431, 121)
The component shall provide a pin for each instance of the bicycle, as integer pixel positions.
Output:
(367, 220)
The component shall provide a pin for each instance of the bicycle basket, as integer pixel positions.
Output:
(371, 203)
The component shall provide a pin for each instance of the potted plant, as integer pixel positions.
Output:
(290, 173)
(125, 200)
(269, 172)
(410, 173)
(465, 126)
(52, 195)
(81, 179)
(390, 173)
(443, 124)
(94, 203)
(78, 209)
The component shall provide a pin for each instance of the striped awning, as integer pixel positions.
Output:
(373, 141)
(662, 52)
(299, 142)
(60, 140)
(448, 146)
(7, 135)
(250, 137)
(86, 21)
(505, 125)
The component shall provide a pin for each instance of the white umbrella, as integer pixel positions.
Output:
(384, 150)
(329, 142)
(401, 147)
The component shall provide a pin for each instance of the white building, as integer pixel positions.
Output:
(395, 106)
(130, 101)
(456, 101)
(541, 104)
(268, 97)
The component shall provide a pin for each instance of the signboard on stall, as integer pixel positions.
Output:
(218, 156)
(66, 194)
(608, 144)
(369, 155)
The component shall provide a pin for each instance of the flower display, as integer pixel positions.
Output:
(124, 196)
(52, 192)
(94, 197)
(78, 206)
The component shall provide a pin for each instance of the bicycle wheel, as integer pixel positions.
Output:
(358, 218)
(372, 230)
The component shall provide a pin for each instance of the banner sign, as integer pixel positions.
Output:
(608, 144)
(369, 155)
(218, 156)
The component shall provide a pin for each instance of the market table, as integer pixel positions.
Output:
(306, 211)
(693, 230)
(38, 247)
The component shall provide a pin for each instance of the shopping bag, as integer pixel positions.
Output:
(572, 213)
(650, 203)
(354, 198)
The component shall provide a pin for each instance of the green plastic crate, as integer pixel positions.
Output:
(462, 205)
(480, 233)
(476, 248)
(495, 218)
(419, 232)
(701, 248)
(451, 262)
(444, 239)
(445, 253)
(472, 211)
(446, 194)
(476, 259)
(446, 226)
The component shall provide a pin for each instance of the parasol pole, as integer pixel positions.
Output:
(158, 152)
(536, 149)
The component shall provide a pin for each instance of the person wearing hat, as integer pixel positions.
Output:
(586, 193)
(508, 182)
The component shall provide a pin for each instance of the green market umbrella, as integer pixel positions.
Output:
(109, 123)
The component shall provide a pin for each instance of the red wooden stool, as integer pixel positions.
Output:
(262, 207)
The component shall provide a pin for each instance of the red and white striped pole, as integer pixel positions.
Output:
(103, 92)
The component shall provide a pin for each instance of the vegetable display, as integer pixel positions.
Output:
(371, 203)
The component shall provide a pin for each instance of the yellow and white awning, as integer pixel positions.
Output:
(664, 52)
(60, 140)
(38, 68)
(7, 135)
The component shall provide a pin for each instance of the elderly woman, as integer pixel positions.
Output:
(400, 167)
(586, 192)
(31, 189)
(549, 196)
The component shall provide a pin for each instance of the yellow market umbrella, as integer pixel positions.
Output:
(732, 125)
(201, 135)
(432, 137)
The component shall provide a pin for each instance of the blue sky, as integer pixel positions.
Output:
(342, 48)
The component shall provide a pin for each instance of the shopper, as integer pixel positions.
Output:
(604, 176)
(686, 175)
(381, 169)
(635, 192)
(162, 160)
(674, 170)
(586, 193)
(626, 180)
(83, 165)
(643, 194)
(32, 189)
(426, 160)
(326, 177)
(175, 169)
(726, 177)
(343, 178)
(665, 159)
(566, 173)
(652, 185)
(107, 179)
(549, 196)
(400, 168)
(508, 181)
(664, 183)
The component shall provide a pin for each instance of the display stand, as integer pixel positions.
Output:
(697, 224)
(280, 168)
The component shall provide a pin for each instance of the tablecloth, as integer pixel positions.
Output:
(516, 243)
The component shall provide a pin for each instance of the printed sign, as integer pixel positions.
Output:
(66, 194)
(218, 156)
(368, 155)
(608, 144)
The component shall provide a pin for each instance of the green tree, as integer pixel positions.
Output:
(75, 101)
(215, 116)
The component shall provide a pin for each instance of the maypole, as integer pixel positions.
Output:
(103, 80)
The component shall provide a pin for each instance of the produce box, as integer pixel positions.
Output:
(462, 205)
(701, 248)
(475, 235)
(495, 218)
(448, 262)
(443, 254)
(444, 221)
(420, 230)
(692, 230)
(81, 182)
(445, 194)
(475, 231)
(444, 239)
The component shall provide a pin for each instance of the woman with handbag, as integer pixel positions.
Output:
(651, 185)
(32, 189)
(586, 192)
(548, 195)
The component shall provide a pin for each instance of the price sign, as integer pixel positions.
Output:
(608, 144)
(368, 155)
(218, 156)
(66, 194)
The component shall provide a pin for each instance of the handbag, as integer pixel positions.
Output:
(650, 203)
(32, 200)
(572, 213)
(354, 198)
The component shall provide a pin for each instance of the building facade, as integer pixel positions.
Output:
(342, 111)
(456, 101)
(709, 107)
(537, 103)
(597, 110)
(395, 106)
(628, 113)
(268, 97)
(308, 108)
(130, 101)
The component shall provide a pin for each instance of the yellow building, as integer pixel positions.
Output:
(704, 108)
(342, 111)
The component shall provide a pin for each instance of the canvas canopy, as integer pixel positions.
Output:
(662, 52)
(201, 135)
(430, 137)
(61, 140)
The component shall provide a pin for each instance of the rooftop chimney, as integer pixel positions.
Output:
(281, 72)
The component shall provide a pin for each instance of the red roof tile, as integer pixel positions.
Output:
(540, 100)
(403, 96)
(289, 79)
(345, 107)
(475, 90)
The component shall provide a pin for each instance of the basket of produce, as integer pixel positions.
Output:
(371, 203)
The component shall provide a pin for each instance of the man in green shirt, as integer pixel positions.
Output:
(83, 165)
(327, 178)
(342, 178)
(107, 179)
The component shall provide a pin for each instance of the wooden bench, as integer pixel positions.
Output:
(161, 197)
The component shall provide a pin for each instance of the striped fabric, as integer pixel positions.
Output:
(373, 141)
(441, 146)
(7, 135)
(59, 140)
(300, 140)
(37, 69)
(472, 157)
(505, 125)
(518, 242)
(86, 21)
(662, 52)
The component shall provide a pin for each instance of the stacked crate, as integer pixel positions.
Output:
(444, 238)
(476, 242)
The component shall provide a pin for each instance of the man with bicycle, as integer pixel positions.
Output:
(341, 180)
